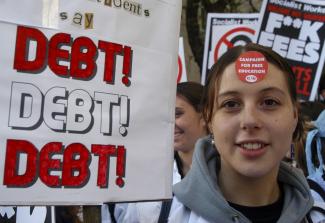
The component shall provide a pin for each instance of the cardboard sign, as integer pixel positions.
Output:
(296, 30)
(224, 31)
(79, 121)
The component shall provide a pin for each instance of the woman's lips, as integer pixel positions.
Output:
(252, 150)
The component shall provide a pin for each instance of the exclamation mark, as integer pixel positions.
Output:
(127, 65)
(120, 166)
(124, 114)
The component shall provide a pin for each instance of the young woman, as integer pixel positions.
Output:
(189, 124)
(237, 175)
(189, 127)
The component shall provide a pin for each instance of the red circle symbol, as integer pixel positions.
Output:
(229, 44)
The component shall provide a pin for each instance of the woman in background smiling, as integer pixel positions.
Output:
(189, 127)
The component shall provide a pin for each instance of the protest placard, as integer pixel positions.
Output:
(181, 74)
(224, 31)
(26, 214)
(296, 30)
(87, 114)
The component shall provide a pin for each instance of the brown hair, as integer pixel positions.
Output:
(215, 73)
(192, 92)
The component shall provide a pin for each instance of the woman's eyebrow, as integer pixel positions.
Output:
(227, 93)
(231, 92)
(273, 89)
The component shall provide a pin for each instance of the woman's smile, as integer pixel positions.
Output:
(252, 149)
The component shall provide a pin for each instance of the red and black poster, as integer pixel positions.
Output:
(296, 30)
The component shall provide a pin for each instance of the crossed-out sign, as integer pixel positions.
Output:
(234, 37)
(181, 74)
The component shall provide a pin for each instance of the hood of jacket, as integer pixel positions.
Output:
(199, 190)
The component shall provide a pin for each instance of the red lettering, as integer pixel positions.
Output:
(303, 77)
(56, 54)
(87, 58)
(71, 165)
(104, 152)
(127, 61)
(74, 164)
(111, 50)
(11, 176)
(82, 59)
(120, 166)
(24, 36)
(47, 164)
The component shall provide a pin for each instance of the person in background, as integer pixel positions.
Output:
(189, 124)
(189, 127)
(68, 214)
(309, 112)
(237, 174)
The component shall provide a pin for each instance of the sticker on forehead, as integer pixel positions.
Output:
(251, 66)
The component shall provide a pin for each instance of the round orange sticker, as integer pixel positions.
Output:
(251, 66)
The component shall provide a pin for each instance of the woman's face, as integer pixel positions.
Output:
(189, 125)
(253, 123)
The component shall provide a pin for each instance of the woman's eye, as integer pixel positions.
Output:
(231, 105)
(178, 114)
(270, 103)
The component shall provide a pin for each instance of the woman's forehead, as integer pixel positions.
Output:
(230, 81)
(182, 100)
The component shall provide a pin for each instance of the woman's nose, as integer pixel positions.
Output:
(250, 117)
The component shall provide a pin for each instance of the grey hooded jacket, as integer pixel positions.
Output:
(200, 194)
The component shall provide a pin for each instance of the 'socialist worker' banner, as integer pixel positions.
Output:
(87, 110)
(296, 30)
(224, 31)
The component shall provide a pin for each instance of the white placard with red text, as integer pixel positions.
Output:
(87, 112)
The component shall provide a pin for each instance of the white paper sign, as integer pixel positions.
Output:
(42, 13)
(88, 117)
